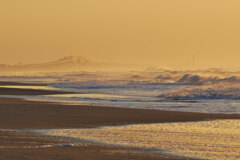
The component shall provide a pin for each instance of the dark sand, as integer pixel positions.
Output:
(22, 114)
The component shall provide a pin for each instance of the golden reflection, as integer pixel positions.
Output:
(31, 87)
(217, 139)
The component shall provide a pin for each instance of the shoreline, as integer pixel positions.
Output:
(23, 114)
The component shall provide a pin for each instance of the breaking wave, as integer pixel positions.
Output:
(221, 90)
(191, 77)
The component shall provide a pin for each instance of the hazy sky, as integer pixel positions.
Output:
(161, 32)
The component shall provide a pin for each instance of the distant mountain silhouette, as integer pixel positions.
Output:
(71, 59)
(69, 63)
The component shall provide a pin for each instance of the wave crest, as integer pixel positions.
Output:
(221, 90)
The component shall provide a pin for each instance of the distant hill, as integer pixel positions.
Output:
(70, 63)
(70, 60)
(64, 64)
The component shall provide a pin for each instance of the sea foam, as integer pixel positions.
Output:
(221, 90)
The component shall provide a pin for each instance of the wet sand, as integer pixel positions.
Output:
(84, 151)
(22, 114)
(18, 91)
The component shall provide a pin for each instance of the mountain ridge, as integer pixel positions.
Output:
(65, 64)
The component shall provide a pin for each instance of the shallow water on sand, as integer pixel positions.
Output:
(219, 139)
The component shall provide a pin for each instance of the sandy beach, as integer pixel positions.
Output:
(23, 114)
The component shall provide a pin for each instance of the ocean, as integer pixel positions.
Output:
(191, 91)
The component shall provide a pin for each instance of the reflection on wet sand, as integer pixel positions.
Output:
(217, 139)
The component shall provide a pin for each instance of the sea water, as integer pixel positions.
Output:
(208, 91)
(175, 97)
(214, 98)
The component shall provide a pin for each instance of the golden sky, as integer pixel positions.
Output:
(190, 33)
